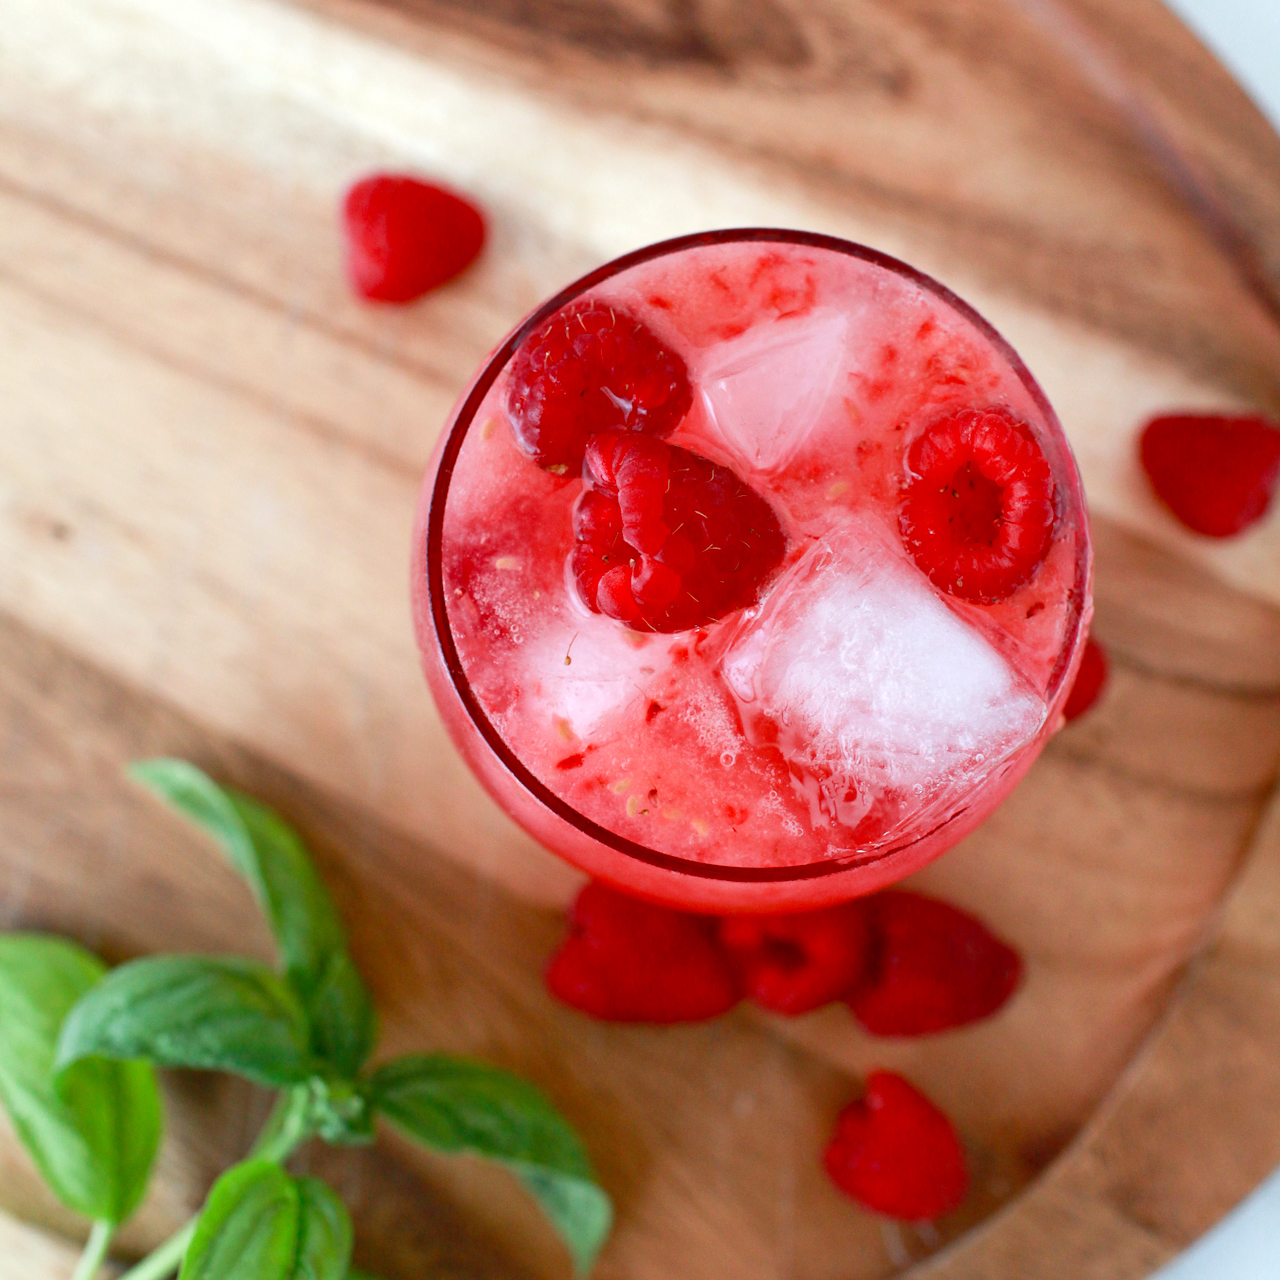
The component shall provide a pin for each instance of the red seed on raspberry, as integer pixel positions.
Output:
(630, 961)
(896, 1153)
(1217, 474)
(794, 963)
(977, 514)
(1090, 681)
(666, 540)
(405, 237)
(933, 967)
(592, 368)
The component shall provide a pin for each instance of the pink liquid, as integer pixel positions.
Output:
(852, 724)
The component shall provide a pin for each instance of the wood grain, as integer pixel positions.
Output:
(684, 1124)
(207, 476)
(1002, 107)
(26, 1251)
(1125, 1197)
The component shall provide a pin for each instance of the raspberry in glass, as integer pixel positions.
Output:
(592, 367)
(977, 513)
(666, 540)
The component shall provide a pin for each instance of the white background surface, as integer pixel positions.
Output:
(1245, 35)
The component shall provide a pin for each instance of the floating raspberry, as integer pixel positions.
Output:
(1216, 474)
(932, 968)
(405, 237)
(591, 368)
(895, 1153)
(1091, 679)
(666, 540)
(795, 963)
(629, 961)
(977, 515)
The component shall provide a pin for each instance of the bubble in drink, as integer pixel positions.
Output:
(769, 581)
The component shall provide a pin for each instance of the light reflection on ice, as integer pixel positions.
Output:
(765, 391)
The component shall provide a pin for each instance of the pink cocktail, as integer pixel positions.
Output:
(752, 571)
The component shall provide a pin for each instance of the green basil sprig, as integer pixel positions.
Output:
(307, 1030)
(76, 1041)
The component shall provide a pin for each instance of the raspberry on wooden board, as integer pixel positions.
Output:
(897, 1154)
(908, 965)
(1216, 473)
(666, 540)
(592, 368)
(977, 514)
(1091, 680)
(405, 237)
(630, 961)
(792, 964)
(933, 967)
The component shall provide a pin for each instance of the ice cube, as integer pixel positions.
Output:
(879, 694)
(608, 670)
(765, 391)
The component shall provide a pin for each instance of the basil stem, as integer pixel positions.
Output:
(95, 1250)
(286, 1129)
(167, 1258)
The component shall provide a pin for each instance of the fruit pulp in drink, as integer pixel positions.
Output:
(752, 572)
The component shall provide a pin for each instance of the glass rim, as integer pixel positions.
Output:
(452, 446)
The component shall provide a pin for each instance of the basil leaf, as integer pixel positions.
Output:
(305, 922)
(453, 1104)
(324, 1233)
(193, 1011)
(578, 1208)
(260, 1224)
(344, 1025)
(248, 1227)
(93, 1139)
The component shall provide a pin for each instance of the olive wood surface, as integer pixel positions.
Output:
(209, 462)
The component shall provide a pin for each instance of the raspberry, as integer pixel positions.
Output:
(629, 961)
(896, 1153)
(1216, 474)
(591, 368)
(1091, 679)
(978, 513)
(932, 968)
(795, 963)
(405, 237)
(666, 540)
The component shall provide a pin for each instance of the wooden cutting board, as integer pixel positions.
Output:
(208, 463)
